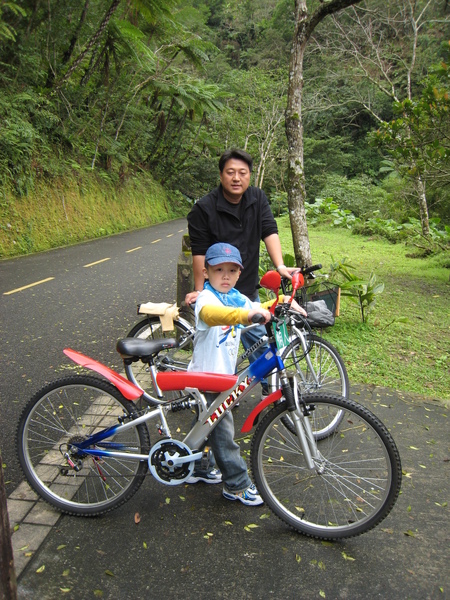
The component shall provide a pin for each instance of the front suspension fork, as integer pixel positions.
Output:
(301, 422)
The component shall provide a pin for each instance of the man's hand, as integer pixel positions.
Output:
(287, 271)
(191, 297)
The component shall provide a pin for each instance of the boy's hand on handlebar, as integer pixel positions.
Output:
(261, 312)
(296, 306)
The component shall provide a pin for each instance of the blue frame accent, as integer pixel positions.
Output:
(266, 363)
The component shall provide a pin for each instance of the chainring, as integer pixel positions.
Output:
(160, 462)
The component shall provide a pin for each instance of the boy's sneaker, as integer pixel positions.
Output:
(249, 497)
(214, 476)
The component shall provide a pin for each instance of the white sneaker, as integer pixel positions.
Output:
(249, 497)
(214, 476)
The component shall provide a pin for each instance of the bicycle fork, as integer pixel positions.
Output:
(301, 422)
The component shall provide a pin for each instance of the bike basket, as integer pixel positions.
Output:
(330, 294)
(319, 315)
(281, 335)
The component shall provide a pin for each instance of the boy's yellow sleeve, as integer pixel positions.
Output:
(214, 315)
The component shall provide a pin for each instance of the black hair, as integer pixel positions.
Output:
(238, 155)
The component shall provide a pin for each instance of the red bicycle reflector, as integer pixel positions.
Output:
(297, 280)
(271, 281)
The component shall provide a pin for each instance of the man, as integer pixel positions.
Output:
(238, 214)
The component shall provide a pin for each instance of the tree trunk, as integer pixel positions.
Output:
(294, 134)
(423, 207)
(304, 26)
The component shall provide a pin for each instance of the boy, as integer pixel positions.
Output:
(219, 307)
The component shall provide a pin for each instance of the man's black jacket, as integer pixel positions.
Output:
(213, 219)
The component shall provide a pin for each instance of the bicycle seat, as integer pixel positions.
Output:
(135, 349)
(205, 382)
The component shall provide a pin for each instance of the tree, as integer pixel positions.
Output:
(305, 24)
(383, 41)
(419, 138)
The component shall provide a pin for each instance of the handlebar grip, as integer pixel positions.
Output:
(258, 319)
(312, 268)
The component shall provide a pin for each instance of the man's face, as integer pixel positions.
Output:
(235, 179)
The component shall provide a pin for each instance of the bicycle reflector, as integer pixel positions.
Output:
(271, 281)
(298, 281)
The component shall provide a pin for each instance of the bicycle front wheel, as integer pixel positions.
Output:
(176, 359)
(320, 369)
(356, 478)
(69, 411)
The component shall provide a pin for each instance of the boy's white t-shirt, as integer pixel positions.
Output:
(215, 348)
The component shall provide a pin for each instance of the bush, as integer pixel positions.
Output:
(358, 195)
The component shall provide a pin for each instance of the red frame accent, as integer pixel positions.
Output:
(128, 389)
(205, 382)
(249, 422)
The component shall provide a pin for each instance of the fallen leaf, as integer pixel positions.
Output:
(410, 533)
(98, 593)
(167, 500)
(110, 573)
(41, 569)
(347, 556)
(145, 545)
(66, 572)
(137, 518)
(322, 594)
(65, 590)
(61, 546)
(298, 558)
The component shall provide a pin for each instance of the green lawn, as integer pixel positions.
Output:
(411, 356)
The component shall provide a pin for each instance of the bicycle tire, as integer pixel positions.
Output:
(330, 375)
(72, 409)
(176, 359)
(360, 474)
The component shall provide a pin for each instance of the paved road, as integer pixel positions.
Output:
(191, 543)
(81, 303)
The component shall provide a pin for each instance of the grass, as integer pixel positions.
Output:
(412, 356)
(63, 212)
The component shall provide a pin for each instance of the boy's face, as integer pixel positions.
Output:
(222, 277)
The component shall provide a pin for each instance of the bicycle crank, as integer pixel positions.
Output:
(171, 462)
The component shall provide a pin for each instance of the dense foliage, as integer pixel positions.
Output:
(121, 87)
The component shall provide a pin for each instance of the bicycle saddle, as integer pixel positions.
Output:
(134, 348)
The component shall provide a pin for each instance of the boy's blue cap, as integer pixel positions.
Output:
(223, 253)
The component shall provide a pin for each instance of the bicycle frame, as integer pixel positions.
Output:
(191, 383)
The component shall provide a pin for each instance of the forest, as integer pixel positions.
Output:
(150, 92)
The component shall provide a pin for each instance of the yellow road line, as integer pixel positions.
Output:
(97, 262)
(133, 249)
(154, 241)
(180, 230)
(28, 286)
(170, 235)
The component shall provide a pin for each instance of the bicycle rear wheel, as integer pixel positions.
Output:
(71, 410)
(176, 359)
(356, 480)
